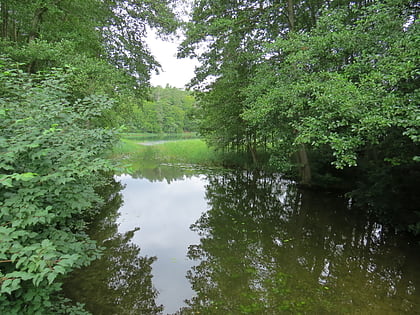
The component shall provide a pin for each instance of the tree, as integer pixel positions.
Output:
(231, 33)
(342, 85)
(125, 34)
(114, 30)
(348, 92)
(104, 40)
(331, 82)
(229, 38)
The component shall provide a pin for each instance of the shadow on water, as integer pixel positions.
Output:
(120, 282)
(269, 248)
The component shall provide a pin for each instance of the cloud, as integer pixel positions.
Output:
(175, 72)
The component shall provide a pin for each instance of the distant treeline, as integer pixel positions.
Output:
(168, 110)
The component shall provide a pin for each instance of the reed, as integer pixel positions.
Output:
(190, 151)
(194, 151)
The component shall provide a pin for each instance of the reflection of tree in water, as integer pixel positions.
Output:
(162, 172)
(270, 248)
(120, 282)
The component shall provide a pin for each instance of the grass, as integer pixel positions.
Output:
(194, 151)
(126, 146)
(156, 136)
(182, 151)
(190, 151)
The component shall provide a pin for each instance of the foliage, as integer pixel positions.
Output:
(168, 110)
(103, 42)
(350, 88)
(111, 30)
(359, 102)
(227, 37)
(312, 86)
(70, 57)
(125, 34)
(50, 164)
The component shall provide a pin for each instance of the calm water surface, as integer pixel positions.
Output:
(187, 241)
(164, 212)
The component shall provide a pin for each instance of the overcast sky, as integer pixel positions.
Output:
(175, 72)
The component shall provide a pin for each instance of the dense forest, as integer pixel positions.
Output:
(328, 90)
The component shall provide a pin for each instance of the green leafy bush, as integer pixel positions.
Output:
(50, 164)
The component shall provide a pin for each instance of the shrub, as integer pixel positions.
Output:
(50, 164)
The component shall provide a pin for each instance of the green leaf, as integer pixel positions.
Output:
(51, 277)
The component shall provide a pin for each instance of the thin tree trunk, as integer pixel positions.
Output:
(34, 32)
(302, 155)
(291, 15)
(5, 19)
(253, 150)
(14, 32)
(36, 22)
(304, 166)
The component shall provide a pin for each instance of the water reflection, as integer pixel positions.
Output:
(269, 248)
(121, 281)
(164, 212)
(147, 166)
(257, 245)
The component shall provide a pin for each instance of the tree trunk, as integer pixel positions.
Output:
(304, 167)
(5, 19)
(36, 21)
(253, 150)
(291, 15)
(302, 156)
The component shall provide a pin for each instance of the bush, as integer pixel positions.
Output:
(50, 164)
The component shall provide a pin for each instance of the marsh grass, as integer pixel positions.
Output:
(155, 136)
(133, 151)
(126, 146)
(190, 151)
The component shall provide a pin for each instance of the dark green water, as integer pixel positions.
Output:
(194, 241)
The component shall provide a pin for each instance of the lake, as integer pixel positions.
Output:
(182, 240)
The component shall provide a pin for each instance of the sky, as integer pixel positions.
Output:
(175, 72)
